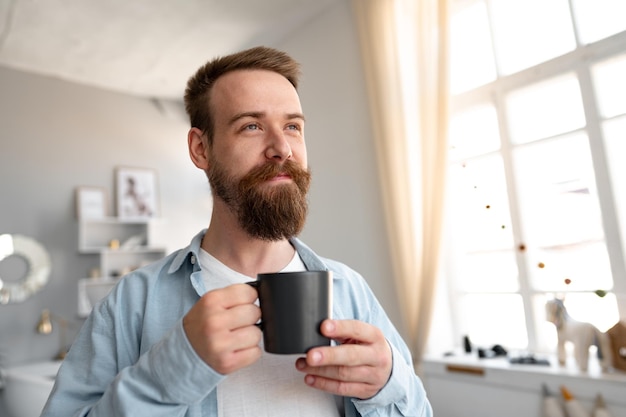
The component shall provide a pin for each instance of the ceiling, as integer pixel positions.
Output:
(141, 47)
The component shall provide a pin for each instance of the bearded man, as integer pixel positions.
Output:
(179, 337)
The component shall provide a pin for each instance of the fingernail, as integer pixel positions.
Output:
(300, 364)
(329, 326)
(309, 380)
(316, 358)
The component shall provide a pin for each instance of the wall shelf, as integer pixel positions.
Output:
(122, 246)
(96, 235)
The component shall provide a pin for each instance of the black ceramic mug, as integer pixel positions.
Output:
(293, 307)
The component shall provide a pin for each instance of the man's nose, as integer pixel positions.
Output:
(278, 146)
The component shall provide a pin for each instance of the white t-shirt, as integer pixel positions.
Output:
(271, 387)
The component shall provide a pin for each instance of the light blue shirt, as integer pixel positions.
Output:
(132, 357)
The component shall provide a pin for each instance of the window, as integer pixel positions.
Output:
(536, 203)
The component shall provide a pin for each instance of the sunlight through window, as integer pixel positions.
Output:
(598, 19)
(537, 138)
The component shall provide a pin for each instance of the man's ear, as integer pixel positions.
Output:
(198, 148)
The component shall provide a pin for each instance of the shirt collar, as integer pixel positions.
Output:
(190, 254)
(183, 255)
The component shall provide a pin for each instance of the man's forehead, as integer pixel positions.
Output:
(254, 92)
(246, 78)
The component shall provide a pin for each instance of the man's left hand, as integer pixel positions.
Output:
(358, 367)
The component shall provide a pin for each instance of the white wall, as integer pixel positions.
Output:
(55, 136)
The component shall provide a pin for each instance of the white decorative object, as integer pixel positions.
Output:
(91, 202)
(550, 407)
(37, 267)
(573, 407)
(599, 408)
(582, 335)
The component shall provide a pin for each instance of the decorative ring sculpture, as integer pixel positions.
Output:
(38, 267)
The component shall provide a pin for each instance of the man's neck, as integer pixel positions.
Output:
(231, 245)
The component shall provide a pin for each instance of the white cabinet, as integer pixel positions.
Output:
(122, 246)
(464, 386)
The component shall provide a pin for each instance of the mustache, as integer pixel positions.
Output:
(270, 170)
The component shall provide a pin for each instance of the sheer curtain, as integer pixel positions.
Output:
(410, 141)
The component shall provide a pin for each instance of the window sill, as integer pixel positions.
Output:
(466, 385)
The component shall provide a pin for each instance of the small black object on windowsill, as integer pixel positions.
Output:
(529, 360)
(467, 344)
(494, 352)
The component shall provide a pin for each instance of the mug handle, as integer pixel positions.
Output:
(255, 285)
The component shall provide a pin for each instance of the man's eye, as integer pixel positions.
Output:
(251, 127)
(293, 127)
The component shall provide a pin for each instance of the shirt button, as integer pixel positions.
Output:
(193, 259)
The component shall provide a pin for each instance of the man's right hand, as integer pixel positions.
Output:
(221, 328)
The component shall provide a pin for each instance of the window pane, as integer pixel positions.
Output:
(545, 109)
(598, 19)
(471, 56)
(486, 272)
(556, 189)
(474, 132)
(610, 84)
(584, 266)
(529, 32)
(560, 215)
(479, 209)
(479, 221)
(615, 142)
(495, 319)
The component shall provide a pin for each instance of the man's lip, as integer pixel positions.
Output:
(281, 176)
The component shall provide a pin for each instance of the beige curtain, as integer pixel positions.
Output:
(413, 209)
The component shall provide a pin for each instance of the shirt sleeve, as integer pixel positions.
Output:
(99, 377)
(403, 395)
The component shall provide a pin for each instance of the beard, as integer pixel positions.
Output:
(267, 212)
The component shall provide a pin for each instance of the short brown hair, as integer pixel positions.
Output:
(199, 86)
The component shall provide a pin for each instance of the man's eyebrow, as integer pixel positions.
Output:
(259, 115)
(296, 116)
(253, 114)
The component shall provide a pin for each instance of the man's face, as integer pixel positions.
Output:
(257, 163)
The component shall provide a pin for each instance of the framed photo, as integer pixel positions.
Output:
(136, 193)
(91, 202)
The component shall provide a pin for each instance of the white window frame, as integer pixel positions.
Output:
(579, 61)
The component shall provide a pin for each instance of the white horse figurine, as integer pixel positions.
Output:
(581, 334)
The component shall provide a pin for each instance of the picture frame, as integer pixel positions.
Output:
(91, 202)
(136, 193)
